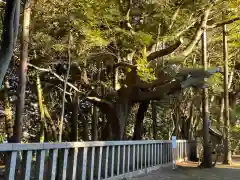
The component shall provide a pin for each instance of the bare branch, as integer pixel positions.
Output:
(198, 33)
(174, 17)
(229, 21)
(56, 75)
(99, 101)
(159, 92)
(164, 52)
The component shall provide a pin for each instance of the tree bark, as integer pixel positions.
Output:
(207, 154)
(221, 114)
(227, 146)
(74, 120)
(154, 119)
(23, 72)
(138, 128)
(64, 88)
(9, 35)
(94, 123)
(85, 127)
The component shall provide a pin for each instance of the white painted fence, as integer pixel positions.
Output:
(89, 160)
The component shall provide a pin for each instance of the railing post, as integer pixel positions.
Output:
(141, 156)
(124, 158)
(11, 165)
(84, 163)
(40, 164)
(100, 163)
(118, 161)
(106, 162)
(134, 155)
(155, 154)
(145, 156)
(138, 154)
(161, 153)
(128, 159)
(151, 160)
(65, 160)
(92, 163)
(113, 165)
(168, 152)
(52, 166)
(26, 165)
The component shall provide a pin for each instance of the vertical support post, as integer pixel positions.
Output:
(134, 155)
(26, 165)
(106, 162)
(138, 154)
(155, 154)
(152, 158)
(124, 158)
(207, 156)
(53, 164)
(84, 163)
(161, 153)
(113, 155)
(145, 156)
(65, 160)
(149, 156)
(92, 163)
(142, 156)
(40, 164)
(128, 159)
(10, 171)
(118, 161)
(100, 163)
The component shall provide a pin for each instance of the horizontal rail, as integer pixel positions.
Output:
(64, 145)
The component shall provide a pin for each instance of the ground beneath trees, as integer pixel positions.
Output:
(190, 171)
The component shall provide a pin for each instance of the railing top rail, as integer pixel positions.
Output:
(42, 146)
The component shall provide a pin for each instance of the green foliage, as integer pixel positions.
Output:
(2, 138)
(145, 73)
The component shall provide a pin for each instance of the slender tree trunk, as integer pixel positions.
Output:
(154, 119)
(221, 114)
(95, 112)
(227, 146)
(85, 127)
(74, 120)
(51, 123)
(41, 109)
(23, 72)
(207, 154)
(190, 122)
(65, 87)
(176, 119)
(94, 123)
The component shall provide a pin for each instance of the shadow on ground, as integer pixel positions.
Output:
(191, 171)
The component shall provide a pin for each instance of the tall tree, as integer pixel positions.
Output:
(9, 35)
(22, 72)
(207, 157)
(227, 150)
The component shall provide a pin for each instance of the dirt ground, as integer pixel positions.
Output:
(190, 171)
